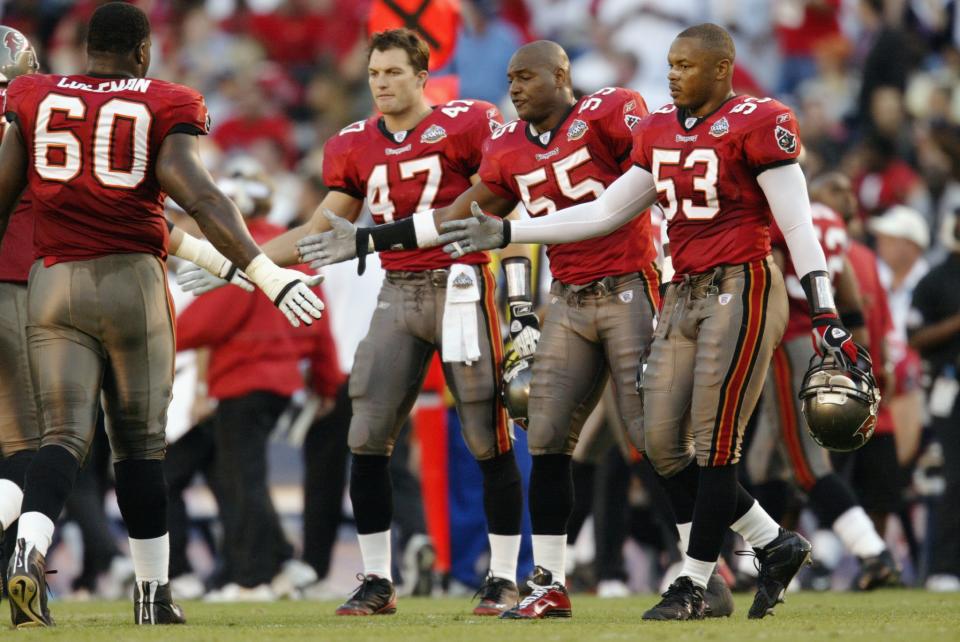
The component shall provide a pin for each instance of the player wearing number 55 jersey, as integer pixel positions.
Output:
(719, 165)
(97, 151)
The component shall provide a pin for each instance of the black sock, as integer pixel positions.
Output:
(142, 497)
(15, 466)
(682, 490)
(371, 493)
(714, 510)
(502, 494)
(583, 477)
(48, 481)
(551, 494)
(744, 502)
(830, 498)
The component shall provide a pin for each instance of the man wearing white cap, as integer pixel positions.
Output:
(902, 238)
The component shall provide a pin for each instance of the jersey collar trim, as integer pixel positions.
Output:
(403, 136)
(682, 114)
(535, 138)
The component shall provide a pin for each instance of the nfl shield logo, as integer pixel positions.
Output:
(720, 127)
(577, 129)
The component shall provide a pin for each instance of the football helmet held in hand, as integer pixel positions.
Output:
(515, 386)
(840, 401)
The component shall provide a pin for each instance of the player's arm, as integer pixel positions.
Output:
(786, 191)
(850, 304)
(182, 175)
(283, 249)
(347, 241)
(625, 198)
(13, 173)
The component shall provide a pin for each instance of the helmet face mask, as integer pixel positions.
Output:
(515, 386)
(17, 56)
(839, 402)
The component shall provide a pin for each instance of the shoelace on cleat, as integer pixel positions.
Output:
(756, 559)
(538, 592)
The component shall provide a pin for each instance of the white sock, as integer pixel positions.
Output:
(756, 526)
(856, 531)
(36, 530)
(375, 550)
(697, 570)
(11, 497)
(504, 551)
(151, 558)
(828, 548)
(549, 552)
(684, 530)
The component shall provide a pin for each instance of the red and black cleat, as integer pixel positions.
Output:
(375, 596)
(546, 601)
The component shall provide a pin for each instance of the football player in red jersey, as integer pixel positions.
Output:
(19, 424)
(412, 158)
(97, 151)
(783, 424)
(720, 165)
(560, 152)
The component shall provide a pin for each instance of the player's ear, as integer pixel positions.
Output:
(562, 77)
(724, 68)
(422, 79)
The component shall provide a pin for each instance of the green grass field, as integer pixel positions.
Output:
(902, 616)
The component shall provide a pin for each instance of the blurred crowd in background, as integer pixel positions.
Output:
(876, 87)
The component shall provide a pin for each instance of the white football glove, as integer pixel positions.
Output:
(193, 278)
(337, 244)
(524, 328)
(288, 289)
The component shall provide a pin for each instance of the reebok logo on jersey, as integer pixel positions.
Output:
(720, 127)
(786, 140)
(434, 134)
(394, 151)
(630, 106)
(631, 120)
(782, 118)
(576, 130)
(553, 152)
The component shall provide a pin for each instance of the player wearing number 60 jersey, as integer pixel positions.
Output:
(719, 164)
(97, 152)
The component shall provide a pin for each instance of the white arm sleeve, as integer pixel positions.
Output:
(786, 192)
(622, 201)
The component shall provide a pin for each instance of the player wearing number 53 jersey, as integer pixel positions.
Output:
(97, 151)
(719, 165)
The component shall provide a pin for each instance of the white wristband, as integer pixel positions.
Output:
(203, 253)
(267, 275)
(425, 229)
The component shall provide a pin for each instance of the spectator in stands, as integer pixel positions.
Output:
(902, 238)
(935, 333)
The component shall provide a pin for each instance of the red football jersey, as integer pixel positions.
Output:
(706, 173)
(93, 142)
(402, 173)
(572, 164)
(16, 251)
(832, 234)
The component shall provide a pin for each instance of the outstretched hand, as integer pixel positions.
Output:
(337, 244)
(477, 233)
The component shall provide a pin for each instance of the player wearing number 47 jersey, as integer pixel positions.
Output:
(97, 151)
(719, 165)
(412, 158)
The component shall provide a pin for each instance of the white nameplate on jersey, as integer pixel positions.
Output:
(720, 127)
(434, 134)
(576, 130)
(943, 396)
(785, 139)
(545, 138)
(400, 136)
(690, 122)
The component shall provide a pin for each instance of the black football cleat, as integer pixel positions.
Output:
(375, 596)
(153, 604)
(718, 598)
(545, 601)
(779, 561)
(539, 577)
(682, 601)
(877, 572)
(496, 596)
(27, 583)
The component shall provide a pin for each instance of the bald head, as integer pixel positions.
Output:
(544, 55)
